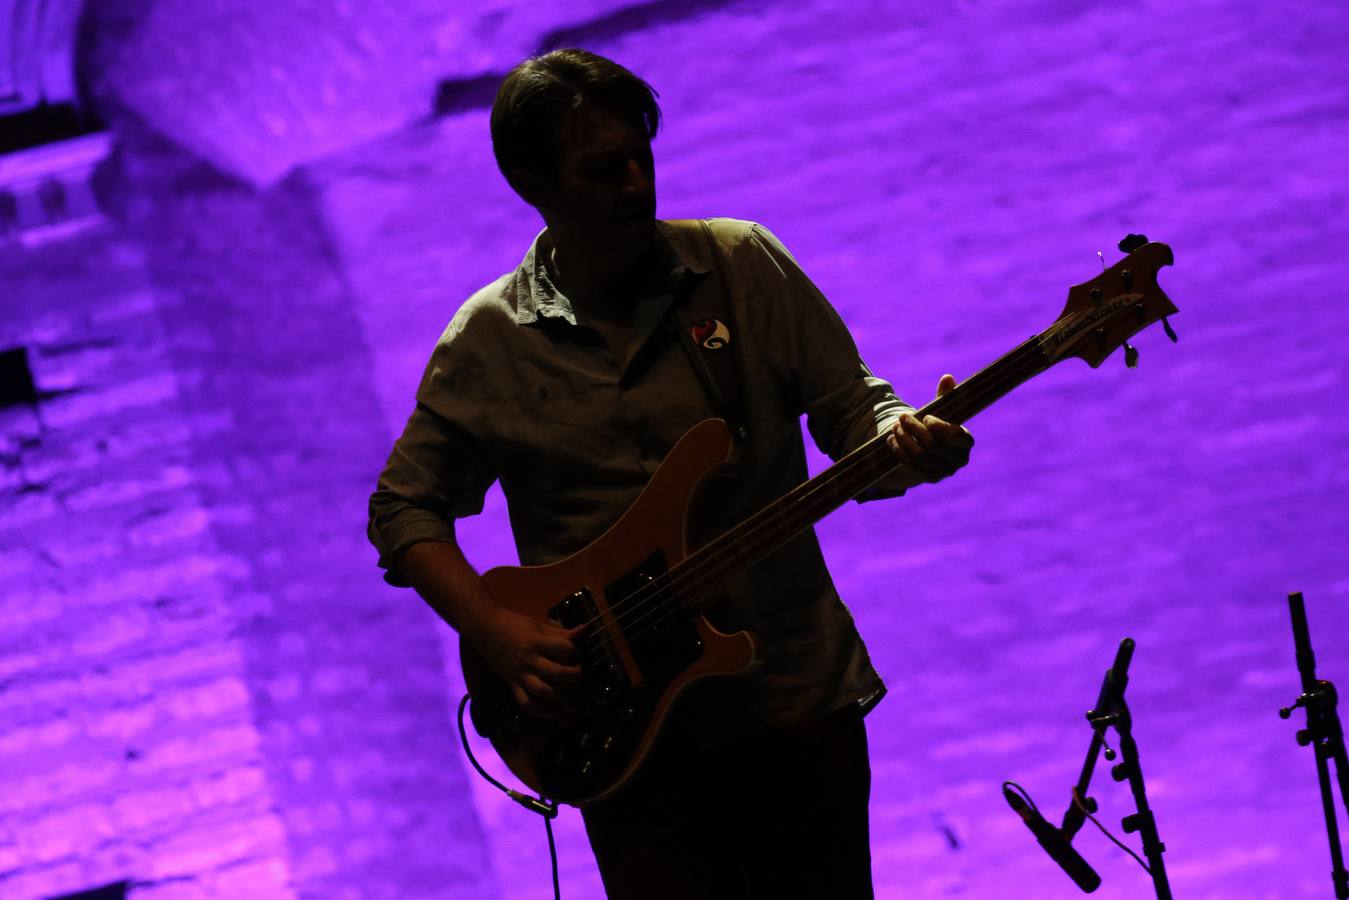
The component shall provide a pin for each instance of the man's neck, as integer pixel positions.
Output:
(598, 281)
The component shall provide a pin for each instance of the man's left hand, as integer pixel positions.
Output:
(930, 448)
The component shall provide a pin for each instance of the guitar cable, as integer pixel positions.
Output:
(545, 808)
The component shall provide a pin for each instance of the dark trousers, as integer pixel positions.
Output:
(780, 813)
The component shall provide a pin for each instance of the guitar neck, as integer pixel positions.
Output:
(765, 531)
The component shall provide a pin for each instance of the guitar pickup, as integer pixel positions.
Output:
(602, 669)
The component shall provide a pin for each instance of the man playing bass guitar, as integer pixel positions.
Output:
(569, 380)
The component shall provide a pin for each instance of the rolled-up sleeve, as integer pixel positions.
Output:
(844, 403)
(437, 472)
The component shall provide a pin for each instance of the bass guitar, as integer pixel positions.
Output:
(637, 589)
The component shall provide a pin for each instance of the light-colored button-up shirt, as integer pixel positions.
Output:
(518, 390)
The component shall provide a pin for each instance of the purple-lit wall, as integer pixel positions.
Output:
(207, 690)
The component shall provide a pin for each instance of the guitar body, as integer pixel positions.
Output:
(635, 664)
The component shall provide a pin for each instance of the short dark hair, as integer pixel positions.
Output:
(535, 97)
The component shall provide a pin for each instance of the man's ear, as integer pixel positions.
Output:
(530, 186)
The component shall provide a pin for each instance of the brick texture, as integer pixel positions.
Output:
(129, 749)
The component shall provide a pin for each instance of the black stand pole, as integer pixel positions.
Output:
(1111, 710)
(1324, 733)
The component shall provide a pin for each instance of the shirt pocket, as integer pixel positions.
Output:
(554, 434)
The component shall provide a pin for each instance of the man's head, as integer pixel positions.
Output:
(572, 133)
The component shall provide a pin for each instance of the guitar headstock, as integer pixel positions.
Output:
(1104, 313)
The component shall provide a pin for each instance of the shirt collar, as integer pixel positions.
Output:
(690, 254)
(537, 297)
(535, 294)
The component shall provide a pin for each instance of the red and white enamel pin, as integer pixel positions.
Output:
(711, 334)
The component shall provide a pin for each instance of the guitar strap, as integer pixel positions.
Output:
(705, 320)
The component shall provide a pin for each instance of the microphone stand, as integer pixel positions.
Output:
(1111, 710)
(1324, 733)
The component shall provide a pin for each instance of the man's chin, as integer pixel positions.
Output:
(637, 232)
(642, 216)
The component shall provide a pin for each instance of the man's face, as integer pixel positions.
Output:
(605, 191)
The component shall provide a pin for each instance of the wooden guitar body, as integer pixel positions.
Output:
(636, 660)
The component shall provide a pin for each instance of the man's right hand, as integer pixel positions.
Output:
(537, 660)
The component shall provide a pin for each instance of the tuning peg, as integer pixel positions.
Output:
(1130, 355)
(1131, 242)
(1170, 332)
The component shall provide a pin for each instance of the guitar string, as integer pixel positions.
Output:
(798, 503)
(686, 579)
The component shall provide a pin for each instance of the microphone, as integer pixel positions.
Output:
(1055, 844)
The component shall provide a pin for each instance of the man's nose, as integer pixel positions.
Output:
(635, 178)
